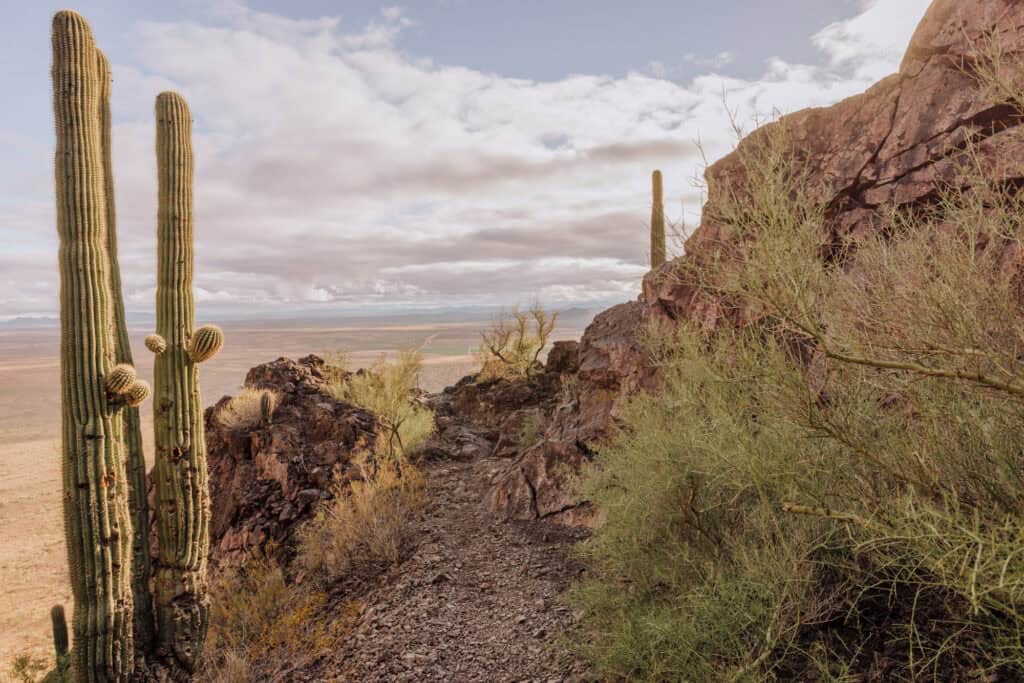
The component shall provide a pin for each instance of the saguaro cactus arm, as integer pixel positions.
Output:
(97, 524)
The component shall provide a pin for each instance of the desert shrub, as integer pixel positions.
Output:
(258, 621)
(336, 365)
(512, 345)
(828, 484)
(367, 525)
(529, 432)
(28, 668)
(243, 411)
(391, 392)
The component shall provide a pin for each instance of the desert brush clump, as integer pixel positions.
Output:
(366, 525)
(828, 484)
(259, 619)
(512, 346)
(390, 390)
(246, 410)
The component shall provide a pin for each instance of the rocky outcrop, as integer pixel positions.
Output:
(266, 479)
(895, 145)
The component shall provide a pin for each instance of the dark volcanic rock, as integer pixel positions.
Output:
(265, 481)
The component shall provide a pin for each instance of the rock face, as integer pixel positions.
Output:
(894, 145)
(265, 480)
(516, 419)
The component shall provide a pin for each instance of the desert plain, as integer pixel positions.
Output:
(33, 570)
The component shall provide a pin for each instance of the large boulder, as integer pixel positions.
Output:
(267, 478)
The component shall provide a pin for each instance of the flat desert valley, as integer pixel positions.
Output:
(33, 571)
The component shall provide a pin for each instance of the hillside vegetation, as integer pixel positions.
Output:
(830, 486)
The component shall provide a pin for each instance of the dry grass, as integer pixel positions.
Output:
(364, 528)
(242, 412)
(259, 621)
(27, 668)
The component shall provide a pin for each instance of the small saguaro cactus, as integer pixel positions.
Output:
(267, 408)
(180, 474)
(61, 646)
(657, 221)
(98, 528)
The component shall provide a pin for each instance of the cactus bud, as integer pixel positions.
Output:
(206, 343)
(156, 343)
(121, 377)
(137, 393)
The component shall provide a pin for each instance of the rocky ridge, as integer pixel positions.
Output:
(893, 146)
(267, 479)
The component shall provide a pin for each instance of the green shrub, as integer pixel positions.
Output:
(391, 392)
(830, 485)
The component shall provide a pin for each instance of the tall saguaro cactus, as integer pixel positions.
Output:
(134, 456)
(97, 522)
(657, 221)
(180, 474)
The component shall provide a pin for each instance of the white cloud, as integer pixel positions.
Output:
(332, 167)
(873, 41)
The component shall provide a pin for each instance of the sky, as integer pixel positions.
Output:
(359, 156)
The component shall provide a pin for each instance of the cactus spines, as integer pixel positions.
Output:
(120, 378)
(180, 474)
(206, 343)
(155, 343)
(266, 408)
(657, 221)
(138, 503)
(97, 523)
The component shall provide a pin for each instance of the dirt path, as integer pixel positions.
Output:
(479, 599)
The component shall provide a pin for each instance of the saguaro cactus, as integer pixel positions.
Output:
(267, 408)
(657, 221)
(97, 524)
(138, 504)
(180, 475)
